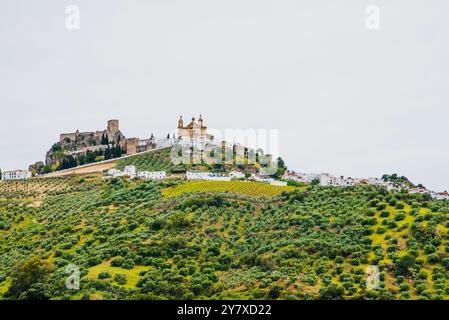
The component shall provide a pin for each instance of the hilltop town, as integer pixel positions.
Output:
(78, 150)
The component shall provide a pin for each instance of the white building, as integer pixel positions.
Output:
(155, 175)
(257, 178)
(113, 172)
(308, 177)
(442, 195)
(279, 183)
(236, 175)
(130, 171)
(16, 175)
(206, 176)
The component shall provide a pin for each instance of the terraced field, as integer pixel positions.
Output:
(31, 188)
(247, 188)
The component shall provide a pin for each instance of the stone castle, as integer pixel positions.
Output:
(112, 131)
(79, 143)
(81, 140)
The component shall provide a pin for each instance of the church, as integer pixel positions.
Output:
(194, 134)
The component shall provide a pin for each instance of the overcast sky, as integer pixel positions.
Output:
(346, 99)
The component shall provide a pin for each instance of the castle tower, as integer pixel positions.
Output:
(113, 127)
(180, 122)
(131, 146)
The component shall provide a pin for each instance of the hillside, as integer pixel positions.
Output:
(136, 239)
(151, 160)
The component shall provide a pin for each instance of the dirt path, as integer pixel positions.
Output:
(90, 169)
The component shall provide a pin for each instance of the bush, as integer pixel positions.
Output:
(274, 292)
(332, 292)
(404, 264)
(120, 278)
(117, 262)
(384, 214)
(128, 264)
(104, 275)
(93, 261)
(433, 258)
(399, 206)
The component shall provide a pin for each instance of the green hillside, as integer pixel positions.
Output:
(150, 161)
(132, 241)
(160, 160)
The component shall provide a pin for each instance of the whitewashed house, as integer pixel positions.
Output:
(236, 175)
(130, 171)
(206, 176)
(261, 178)
(16, 175)
(279, 183)
(325, 180)
(442, 196)
(291, 176)
(419, 190)
(155, 175)
(112, 172)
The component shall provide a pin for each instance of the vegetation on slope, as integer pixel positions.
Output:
(158, 160)
(257, 189)
(130, 242)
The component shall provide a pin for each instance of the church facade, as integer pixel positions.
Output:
(193, 134)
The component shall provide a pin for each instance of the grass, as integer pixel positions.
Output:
(246, 188)
(132, 276)
(4, 286)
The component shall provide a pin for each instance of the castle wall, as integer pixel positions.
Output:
(131, 146)
(68, 136)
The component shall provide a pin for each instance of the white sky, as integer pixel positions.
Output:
(346, 100)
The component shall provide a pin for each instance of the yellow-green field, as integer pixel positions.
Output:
(242, 187)
(4, 286)
(132, 276)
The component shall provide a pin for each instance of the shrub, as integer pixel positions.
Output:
(399, 206)
(93, 261)
(274, 292)
(128, 264)
(384, 214)
(399, 216)
(104, 275)
(117, 262)
(120, 278)
(332, 292)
